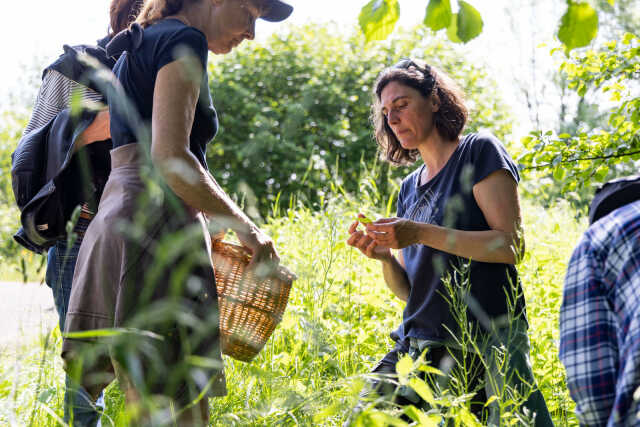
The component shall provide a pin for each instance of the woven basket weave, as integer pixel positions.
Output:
(250, 308)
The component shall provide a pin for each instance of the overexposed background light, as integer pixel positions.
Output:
(34, 31)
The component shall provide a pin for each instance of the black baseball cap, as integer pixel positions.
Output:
(613, 195)
(276, 11)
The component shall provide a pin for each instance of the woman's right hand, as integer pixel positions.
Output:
(264, 257)
(367, 245)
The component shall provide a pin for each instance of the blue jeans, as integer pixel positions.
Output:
(61, 262)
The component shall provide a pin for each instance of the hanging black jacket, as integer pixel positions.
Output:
(48, 180)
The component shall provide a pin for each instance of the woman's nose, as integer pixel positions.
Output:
(392, 117)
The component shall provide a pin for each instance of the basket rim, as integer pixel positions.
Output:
(241, 253)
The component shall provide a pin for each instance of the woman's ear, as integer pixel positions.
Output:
(435, 103)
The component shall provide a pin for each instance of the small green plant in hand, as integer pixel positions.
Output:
(364, 220)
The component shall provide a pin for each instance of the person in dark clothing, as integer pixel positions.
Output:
(54, 96)
(144, 266)
(458, 218)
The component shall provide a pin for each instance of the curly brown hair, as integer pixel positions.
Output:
(449, 120)
(122, 13)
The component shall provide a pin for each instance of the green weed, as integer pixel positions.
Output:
(335, 329)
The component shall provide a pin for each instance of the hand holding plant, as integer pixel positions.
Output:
(396, 233)
(359, 239)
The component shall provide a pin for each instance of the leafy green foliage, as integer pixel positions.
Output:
(578, 26)
(334, 331)
(300, 125)
(593, 155)
(461, 27)
(378, 18)
(20, 264)
(469, 22)
(438, 14)
(452, 29)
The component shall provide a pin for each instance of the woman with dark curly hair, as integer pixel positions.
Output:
(458, 223)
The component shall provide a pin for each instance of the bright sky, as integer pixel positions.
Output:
(39, 28)
(34, 31)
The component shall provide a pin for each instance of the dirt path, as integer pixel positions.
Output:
(26, 310)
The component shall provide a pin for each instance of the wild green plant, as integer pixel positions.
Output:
(335, 328)
(333, 332)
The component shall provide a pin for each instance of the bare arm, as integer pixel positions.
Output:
(497, 197)
(174, 103)
(395, 276)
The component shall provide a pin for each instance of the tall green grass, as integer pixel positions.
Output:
(335, 329)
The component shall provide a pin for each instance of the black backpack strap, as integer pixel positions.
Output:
(126, 40)
(69, 64)
(613, 195)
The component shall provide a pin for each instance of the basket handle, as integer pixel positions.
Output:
(243, 254)
(218, 235)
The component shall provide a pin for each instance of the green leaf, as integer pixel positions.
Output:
(379, 418)
(601, 172)
(493, 398)
(378, 18)
(111, 332)
(423, 390)
(467, 418)
(452, 31)
(420, 417)
(558, 173)
(438, 14)
(404, 368)
(431, 370)
(578, 26)
(469, 22)
(412, 412)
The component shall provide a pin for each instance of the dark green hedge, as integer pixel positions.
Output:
(295, 109)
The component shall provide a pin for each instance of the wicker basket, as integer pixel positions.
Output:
(250, 309)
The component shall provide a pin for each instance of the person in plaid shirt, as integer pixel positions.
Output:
(600, 319)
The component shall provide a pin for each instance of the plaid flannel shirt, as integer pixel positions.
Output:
(600, 321)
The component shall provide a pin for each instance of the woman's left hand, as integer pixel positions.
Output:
(396, 233)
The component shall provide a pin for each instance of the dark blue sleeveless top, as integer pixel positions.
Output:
(145, 53)
(447, 200)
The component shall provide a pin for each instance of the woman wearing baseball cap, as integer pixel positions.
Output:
(143, 265)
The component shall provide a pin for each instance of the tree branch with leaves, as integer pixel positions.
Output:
(577, 28)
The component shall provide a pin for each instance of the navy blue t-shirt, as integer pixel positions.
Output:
(447, 200)
(137, 69)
